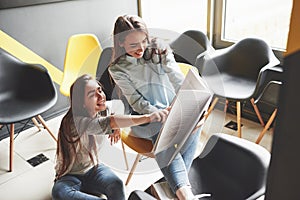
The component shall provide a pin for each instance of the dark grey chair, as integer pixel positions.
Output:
(238, 72)
(228, 168)
(102, 73)
(269, 96)
(140, 195)
(190, 45)
(26, 91)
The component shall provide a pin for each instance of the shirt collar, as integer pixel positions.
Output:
(134, 60)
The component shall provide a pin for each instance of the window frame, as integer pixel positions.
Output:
(218, 22)
(215, 22)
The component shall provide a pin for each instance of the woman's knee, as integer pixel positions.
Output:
(115, 189)
(65, 187)
(116, 184)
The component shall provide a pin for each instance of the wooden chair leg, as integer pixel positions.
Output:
(35, 122)
(257, 112)
(262, 133)
(138, 157)
(46, 127)
(238, 118)
(11, 147)
(211, 107)
(226, 105)
(124, 154)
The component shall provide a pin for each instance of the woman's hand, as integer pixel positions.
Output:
(115, 136)
(159, 116)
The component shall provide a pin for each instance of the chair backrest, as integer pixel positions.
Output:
(230, 168)
(82, 56)
(140, 195)
(270, 93)
(189, 45)
(23, 84)
(246, 59)
(102, 73)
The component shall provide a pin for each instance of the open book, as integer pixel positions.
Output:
(188, 107)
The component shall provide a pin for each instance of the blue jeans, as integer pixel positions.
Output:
(176, 173)
(98, 180)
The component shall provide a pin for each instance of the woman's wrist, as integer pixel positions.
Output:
(148, 118)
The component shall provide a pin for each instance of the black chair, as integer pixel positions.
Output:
(238, 72)
(140, 195)
(190, 45)
(229, 168)
(26, 91)
(111, 90)
(102, 73)
(268, 96)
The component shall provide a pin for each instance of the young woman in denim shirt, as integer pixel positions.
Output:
(147, 74)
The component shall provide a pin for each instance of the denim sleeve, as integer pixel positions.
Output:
(134, 98)
(172, 69)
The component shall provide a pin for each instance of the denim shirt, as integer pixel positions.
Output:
(147, 86)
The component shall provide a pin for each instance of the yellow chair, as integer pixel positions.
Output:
(184, 67)
(82, 56)
(142, 146)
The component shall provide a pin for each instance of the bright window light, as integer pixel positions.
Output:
(175, 15)
(267, 19)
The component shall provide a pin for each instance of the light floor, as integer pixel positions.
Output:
(35, 183)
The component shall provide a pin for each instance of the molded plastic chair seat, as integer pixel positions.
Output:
(269, 96)
(143, 146)
(237, 73)
(15, 110)
(140, 195)
(239, 68)
(82, 56)
(228, 168)
(234, 87)
(26, 91)
(190, 45)
(270, 93)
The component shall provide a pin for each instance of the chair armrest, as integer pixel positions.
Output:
(275, 73)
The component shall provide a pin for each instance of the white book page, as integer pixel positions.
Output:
(184, 116)
(190, 103)
(193, 81)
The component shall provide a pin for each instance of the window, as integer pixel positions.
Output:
(175, 15)
(226, 21)
(267, 19)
